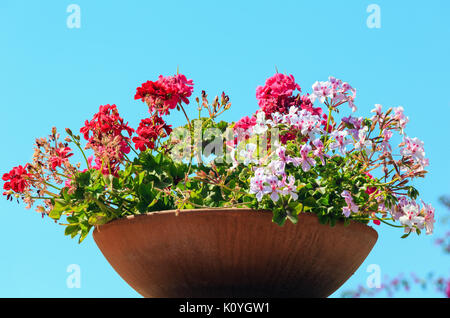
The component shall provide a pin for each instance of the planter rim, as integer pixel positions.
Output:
(131, 218)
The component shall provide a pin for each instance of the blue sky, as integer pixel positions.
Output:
(51, 75)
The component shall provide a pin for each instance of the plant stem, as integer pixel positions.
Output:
(82, 152)
(187, 118)
(131, 147)
(51, 185)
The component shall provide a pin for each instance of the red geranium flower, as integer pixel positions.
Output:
(148, 132)
(17, 180)
(165, 93)
(370, 190)
(107, 140)
(60, 157)
(245, 123)
(277, 95)
(106, 121)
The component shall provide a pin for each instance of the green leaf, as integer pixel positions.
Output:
(141, 177)
(321, 190)
(65, 194)
(310, 202)
(279, 216)
(72, 219)
(71, 229)
(57, 210)
(142, 207)
(405, 235)
(98, 219)
(128, 171)
(159, 158)
(323, 201)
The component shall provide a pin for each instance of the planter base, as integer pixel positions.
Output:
(232, 253)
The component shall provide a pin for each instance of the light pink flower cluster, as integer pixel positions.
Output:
(334, 92)
(413, 216)
(272, 182)
(271, 177)
(303, 130)
(414, 149)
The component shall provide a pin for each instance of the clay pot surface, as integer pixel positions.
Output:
(232, 253)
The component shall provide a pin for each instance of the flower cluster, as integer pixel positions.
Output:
(413, 216)
(149, 130)
(63, 187)
(277, 93)
(290, 156)
(165, 93)
(17, 180)
(337, 156)
(271, 177)
(277, 96)
(335, 92)
(273, 182)
(104, 134)
(37, 180)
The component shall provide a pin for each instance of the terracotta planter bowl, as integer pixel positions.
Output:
(232, 253)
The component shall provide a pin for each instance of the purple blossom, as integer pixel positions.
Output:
(306, 162)
(351, 206)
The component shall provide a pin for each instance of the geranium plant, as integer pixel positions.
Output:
(293, 155)
(338, 169)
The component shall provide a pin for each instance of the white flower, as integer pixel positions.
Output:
(339, 141)
(277, 167)
(414, 148)
(363, 143)
(277, 118)
(321, 91)
(275, 187)
(306, 161)
(257, 185)
(401, 118)
(247, 154)
(429, 217)
(377, 110)
(290, 188)
(260, 127)
(411, 218)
